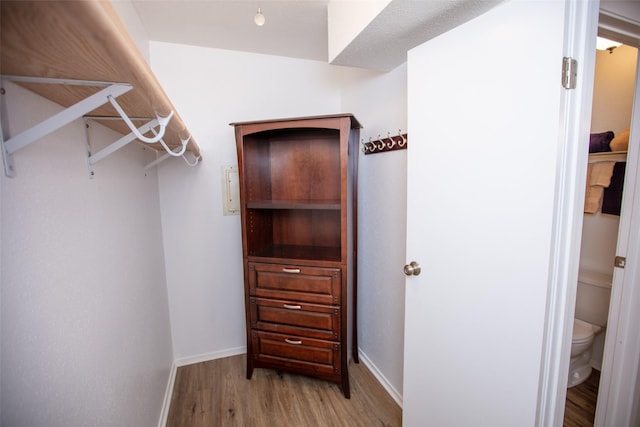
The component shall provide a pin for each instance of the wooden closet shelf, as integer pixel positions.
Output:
(86, 41)
(294, 204)
(296, 252)
(608, 156)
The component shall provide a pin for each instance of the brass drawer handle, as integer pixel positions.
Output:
(291, 270)
(295, 342)
(292, 307)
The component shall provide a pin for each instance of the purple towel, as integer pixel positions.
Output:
(599, 142)
(612, 198)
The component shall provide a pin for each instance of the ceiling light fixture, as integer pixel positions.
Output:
(259, 18)
(606, 44)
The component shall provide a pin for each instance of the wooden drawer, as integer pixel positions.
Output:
(295, 283)
(296, 318)
(302, 355)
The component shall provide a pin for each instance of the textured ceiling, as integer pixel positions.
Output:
(298, 28)
(293, 28)
(405, 24)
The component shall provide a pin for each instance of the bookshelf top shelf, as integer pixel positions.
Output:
(294, 204)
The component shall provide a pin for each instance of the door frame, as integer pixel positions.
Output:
(616, 402)
(617, 396)
(581, 21)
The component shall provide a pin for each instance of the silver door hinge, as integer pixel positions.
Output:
(569, 72)
(620, 261)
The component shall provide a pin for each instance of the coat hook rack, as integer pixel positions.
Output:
(390, 143)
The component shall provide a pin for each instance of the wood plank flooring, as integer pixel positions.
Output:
(217, 393)
(580, 406)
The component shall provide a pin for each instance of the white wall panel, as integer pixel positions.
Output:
(85, 324)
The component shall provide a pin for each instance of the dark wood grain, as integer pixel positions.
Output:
(580, 407)
(297, 201)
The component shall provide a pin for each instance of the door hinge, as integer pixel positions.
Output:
(569, 72)
(620, 261)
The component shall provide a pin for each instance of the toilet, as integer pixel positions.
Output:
(592, 311)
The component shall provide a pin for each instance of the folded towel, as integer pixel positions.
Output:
(612, 197)
(599, 142)
(600, 173)
(598, 178)
(620, 142)
(593, 198)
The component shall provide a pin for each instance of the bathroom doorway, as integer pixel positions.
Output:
(613, 97)
(618, 397)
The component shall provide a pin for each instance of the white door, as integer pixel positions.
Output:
(485, 118)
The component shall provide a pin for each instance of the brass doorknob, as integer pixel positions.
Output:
(412, 269)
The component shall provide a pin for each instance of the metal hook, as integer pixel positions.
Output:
(404, 140)
(371, 147)
(365, 148)
(162, 123)
(392, 142)
(194, 163)
(171, 152)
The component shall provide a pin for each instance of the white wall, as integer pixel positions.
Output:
(212, 88)
(130, 18)
(85, 326)
(615, 77)
(380, 101)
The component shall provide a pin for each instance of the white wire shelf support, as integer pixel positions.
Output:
(12, 144)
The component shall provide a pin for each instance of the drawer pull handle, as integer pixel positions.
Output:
(295, 342)
(291, 270)
(292, 307)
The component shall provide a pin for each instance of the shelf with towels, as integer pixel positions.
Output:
(605, 182)
(608, 156)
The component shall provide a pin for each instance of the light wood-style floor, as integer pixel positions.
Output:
(580, 407)
(217, 393)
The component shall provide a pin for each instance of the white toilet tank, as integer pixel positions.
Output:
(592, 298)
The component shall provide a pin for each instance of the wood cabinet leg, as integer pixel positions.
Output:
(345, 386)
(249, 368)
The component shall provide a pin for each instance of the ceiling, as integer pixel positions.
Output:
(298, 28)
(293, 28)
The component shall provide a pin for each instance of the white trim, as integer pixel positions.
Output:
(190, 360)
(168, 394)
(395, 395)
(581, 22)
(164, 412)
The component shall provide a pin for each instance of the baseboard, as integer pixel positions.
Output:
(395, 395)
(210, 356)
(164, 413)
